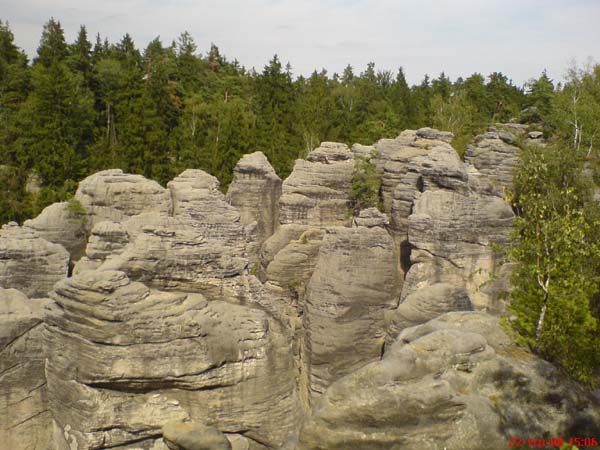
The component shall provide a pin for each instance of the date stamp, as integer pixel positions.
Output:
(552, 442)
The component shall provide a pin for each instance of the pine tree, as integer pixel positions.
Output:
(53, 47)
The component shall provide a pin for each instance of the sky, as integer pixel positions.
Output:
(519, 38)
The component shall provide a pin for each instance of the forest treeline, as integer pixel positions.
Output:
(85, 106)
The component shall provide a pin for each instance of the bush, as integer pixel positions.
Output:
(366, 185)
(557, 279)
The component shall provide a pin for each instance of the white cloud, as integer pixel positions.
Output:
(518, 38)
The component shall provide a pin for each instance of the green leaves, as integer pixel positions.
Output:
(366, 184)
(558, 273)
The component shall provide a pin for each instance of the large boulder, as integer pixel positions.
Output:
(354, 283)
(427, 303)
(194, 436)
(64, 224)
(317, 192)
(255, 192)
(115, 196)
(198, 201)
(25, 419)
(145, 358)
(454, 382)
(453, 238)
(29, 263)
(496, 155)
(170, 254)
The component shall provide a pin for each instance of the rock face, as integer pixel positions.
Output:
(317, 191)
(167, 253)
(114, 195)
(346, 300)
(454, 234)
(192, 436)
(454, 382)
(198, 202)
(30, 263)
(25, 418)
(495, 155)
(255, 192)
(276, 317)
(146, 358)
(61, 223)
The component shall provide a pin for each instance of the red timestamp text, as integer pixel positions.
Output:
(552, 442)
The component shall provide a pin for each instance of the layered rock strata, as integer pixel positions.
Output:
(61, 223)
(454, 382)
(255, 192)
(317, 191)
(25, 417)
(115, 196)
(145, 358)
(30, 263)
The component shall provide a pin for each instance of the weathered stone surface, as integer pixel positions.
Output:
(454, 382)
(25, 418)
(255, 192)
(168, 253)
(107, 239)
(317, 192)
(427, 303)
(453, 234)
(145, 358)
(495, 156)
(30, 263)
(430, 133)
(370, 217)
(61, 224)
(281, 238)
(194, 436)
(435, 165)
(198, 201)
(345, 303)
(115, 196)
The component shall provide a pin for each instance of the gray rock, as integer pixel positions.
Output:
(454, 382)
(427, 303)
(25, 418)
(452, 236)
(255, 192)
(168, 253)
(30, 263)
(345, 304)
(107, 239)
(115, 196)
(371, 217)
(317, 191)
(430, 133)
(496, 157)
(198, 201)
(60, 224)
(194, 436)
(145, 358)
(535, 135)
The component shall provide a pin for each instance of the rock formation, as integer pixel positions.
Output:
(30, 263)
(61, 223)
(346, 301)
(495, 155)
(114, 195)
(255, 192)
(145, 358)
(25, 418)
(455, 382)
(317, 190)
(277, 316)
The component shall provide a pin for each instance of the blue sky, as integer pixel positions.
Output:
(517, 37)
